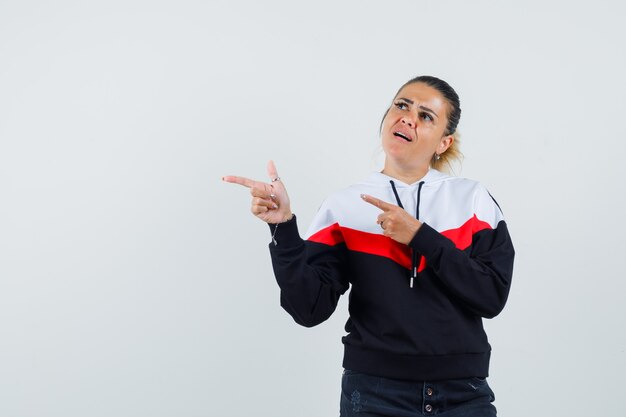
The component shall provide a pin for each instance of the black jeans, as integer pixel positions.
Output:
(368, 396)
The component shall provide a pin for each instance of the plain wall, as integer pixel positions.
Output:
(133, 282)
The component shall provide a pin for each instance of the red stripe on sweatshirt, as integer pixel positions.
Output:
(358, 241)
(378, 244)
(330, 235)
(462, 236)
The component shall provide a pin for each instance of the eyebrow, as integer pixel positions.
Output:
(421, 107)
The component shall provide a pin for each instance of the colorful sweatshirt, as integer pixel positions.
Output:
(461, 259)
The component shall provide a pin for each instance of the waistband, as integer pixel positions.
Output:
(416, 367)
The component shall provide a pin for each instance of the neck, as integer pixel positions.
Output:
(406, 175)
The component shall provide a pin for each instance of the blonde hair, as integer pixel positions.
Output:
(450, 158)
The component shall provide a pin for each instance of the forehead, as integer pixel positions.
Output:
(425, 95)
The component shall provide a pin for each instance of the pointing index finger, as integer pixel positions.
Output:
(384, 206)
(246, 182)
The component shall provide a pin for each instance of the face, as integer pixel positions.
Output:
(413, 129)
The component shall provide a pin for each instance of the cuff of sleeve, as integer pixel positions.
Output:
(427, 241)
(285, 233)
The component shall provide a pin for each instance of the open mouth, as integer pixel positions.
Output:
(403, 136)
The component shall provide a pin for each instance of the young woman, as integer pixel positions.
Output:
(427, 256)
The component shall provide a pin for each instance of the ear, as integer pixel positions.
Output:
(445, 143)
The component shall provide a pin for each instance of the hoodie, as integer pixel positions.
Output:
(416, 310)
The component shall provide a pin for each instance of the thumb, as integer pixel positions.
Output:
(271, 170)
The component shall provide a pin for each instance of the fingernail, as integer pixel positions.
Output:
(272, 196)
(275, 206)
(363, 196)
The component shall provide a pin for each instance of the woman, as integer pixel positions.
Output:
(427, 256)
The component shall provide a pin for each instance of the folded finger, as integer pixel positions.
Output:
(259, 209)
(262, 190)
(263, 202)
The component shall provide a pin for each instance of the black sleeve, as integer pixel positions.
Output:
(480, 276)
(310, 275)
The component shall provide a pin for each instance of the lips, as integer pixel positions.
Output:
(403, 136)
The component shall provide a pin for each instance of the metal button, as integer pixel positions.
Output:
(428, 408)
(429, 391)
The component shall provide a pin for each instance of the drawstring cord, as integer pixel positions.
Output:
(416, 256)
(395, 192)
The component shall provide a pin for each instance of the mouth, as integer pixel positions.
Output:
(402, 136)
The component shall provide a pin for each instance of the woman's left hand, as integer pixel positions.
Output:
(396, 222)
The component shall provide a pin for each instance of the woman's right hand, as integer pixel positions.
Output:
(270, 201)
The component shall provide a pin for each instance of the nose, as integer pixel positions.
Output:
(408, 120)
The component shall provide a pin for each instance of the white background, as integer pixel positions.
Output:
(133, 282)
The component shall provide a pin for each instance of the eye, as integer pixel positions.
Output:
(401, 105)
(426, 116)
